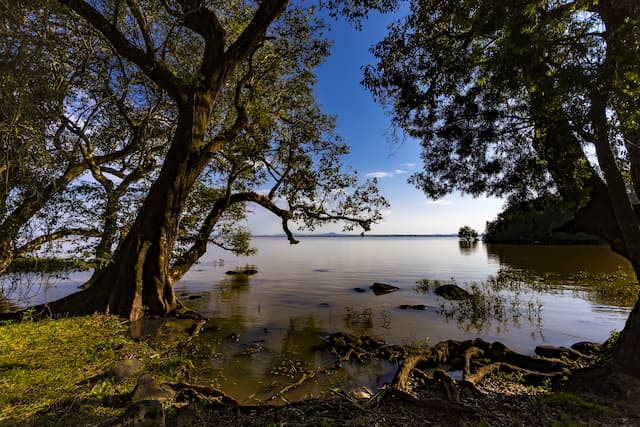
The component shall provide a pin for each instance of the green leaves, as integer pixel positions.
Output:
(499, 93)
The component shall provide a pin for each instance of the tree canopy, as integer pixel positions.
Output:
(522, 98)
(467, 233)
(175, 116)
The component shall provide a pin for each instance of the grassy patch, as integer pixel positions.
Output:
(53, 372)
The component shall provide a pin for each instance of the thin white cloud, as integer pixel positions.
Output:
(379, 175)
(409, 165)
(383, 174)
(440, 202)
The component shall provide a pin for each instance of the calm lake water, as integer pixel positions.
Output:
(268, 326)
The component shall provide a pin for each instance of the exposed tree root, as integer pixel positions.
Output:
(477, 359)
(192, 393)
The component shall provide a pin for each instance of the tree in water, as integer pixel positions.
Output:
(244, 129)
(523, 98)
(467, 233)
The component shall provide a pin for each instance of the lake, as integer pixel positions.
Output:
(268, 326)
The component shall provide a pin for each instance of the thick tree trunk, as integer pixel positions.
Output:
(626, 355)
(138, 280)
(6, 255)
(627, 352)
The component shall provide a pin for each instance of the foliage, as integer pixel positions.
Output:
(68, 113)
(524, 98)
(501, 94)
(467, 233)
(496, 302)
(534, 221)
(611, 342)
(232, 102)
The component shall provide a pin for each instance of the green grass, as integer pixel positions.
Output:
(53, 372)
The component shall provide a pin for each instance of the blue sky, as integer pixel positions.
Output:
(365, 127)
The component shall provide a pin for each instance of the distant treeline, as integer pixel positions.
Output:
(536, 222)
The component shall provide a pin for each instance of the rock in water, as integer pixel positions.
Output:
(383, 288)
(413, 307)
(452, 292)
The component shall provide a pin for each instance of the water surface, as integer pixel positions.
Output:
(267, 328)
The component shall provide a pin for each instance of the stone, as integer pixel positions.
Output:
(360, 290)
(383, 288)
(588, 348)
(233, 337)
(125, 369)
(413, 307)
(148, 389)
(452, 292)
(246, 271)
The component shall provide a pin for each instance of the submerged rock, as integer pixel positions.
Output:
(413, 307)
(246, 271)
(452, 292)
(383, 288)
(233, 337)
(360, 290)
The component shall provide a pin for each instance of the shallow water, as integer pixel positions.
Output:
(303, 293)
(266, 328)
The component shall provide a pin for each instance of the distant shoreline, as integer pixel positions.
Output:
(357, 235)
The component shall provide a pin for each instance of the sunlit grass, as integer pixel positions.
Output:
(54, 372)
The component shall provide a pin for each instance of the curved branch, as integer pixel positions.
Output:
(156, 71)
(254, 33)
(325, 216)
(50, 237)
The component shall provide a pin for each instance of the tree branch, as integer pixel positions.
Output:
(156, 71)
(254, 33)
(50, 237)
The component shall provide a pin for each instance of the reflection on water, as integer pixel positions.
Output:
(279, 317)
(467, 247)
(266, 329)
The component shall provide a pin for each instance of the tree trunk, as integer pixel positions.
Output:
(138, 282)
(6, 254)
(626, 355)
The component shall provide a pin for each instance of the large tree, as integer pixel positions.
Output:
(520, 98)
(62, 114)
(245, 128)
